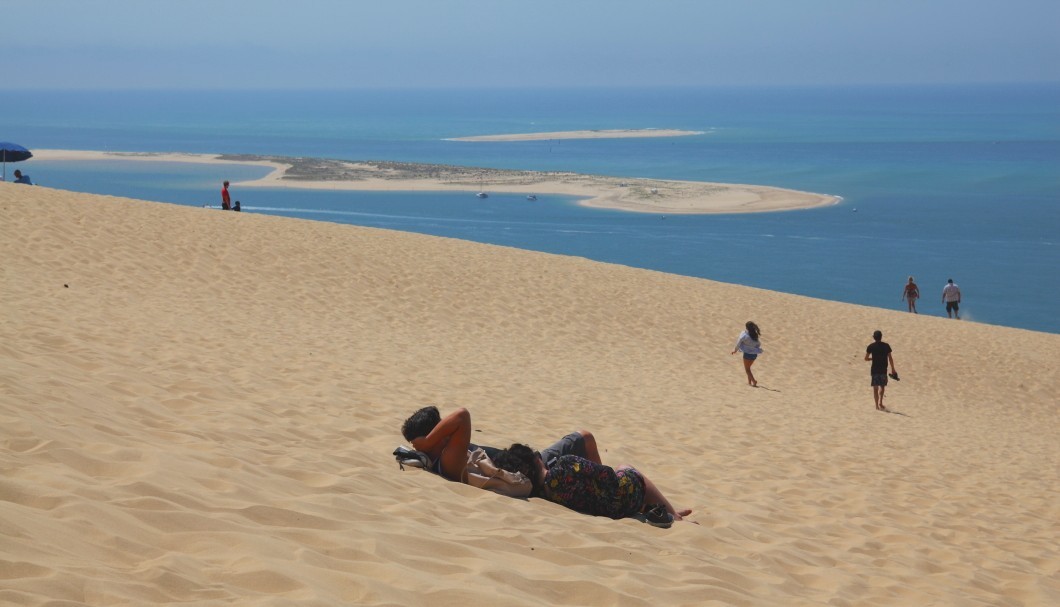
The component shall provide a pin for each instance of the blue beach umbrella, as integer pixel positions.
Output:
(12, 152)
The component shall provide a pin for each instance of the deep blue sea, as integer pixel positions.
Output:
(957, 182)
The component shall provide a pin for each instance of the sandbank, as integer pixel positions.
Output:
(199, 407)
(588, 134)
(636, 195)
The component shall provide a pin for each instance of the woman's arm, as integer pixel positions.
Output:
(739, 340)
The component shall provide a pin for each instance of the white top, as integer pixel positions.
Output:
(747, 345)
(951, 292)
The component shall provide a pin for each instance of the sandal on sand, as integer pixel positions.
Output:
(657, 516)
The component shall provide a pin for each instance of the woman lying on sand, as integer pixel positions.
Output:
(591, 487)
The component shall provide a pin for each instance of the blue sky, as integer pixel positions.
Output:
(248, 44)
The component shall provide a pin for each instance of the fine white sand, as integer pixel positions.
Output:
(199, 407)
(588, 134)
(638, 195)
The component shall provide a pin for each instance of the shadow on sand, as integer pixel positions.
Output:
(893, 412)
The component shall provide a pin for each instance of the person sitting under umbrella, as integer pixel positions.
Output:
(20, 178)
(11, 152)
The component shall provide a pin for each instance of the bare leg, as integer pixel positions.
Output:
(751, 381)
(877, 397)
(592, 451)
(448, 443)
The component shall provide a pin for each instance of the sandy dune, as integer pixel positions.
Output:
(199, 407)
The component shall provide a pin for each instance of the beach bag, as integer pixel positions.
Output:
(482, 473)
(413, 459)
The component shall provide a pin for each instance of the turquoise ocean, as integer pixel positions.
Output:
(957, 182)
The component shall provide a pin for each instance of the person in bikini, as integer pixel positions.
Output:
(910, 294)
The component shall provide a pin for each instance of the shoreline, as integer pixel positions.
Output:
(584, 134)
(640, 195)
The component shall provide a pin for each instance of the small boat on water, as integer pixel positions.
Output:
(482, 195)
(532, 197)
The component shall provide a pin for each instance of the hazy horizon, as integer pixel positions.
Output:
(423, 44)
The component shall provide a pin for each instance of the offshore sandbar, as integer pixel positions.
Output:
(584, 134)
(637, 195)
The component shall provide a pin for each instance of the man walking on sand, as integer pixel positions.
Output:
(879, 352)
(951, 296)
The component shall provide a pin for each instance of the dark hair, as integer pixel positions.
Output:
(421, 423)
(877, 335)
(753, 330)
(518, 458)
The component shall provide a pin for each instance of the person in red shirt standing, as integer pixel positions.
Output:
(226, 200)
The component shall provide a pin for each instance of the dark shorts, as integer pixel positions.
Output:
(953, 306)
(747, 356)
(879, 380)
(572, 444)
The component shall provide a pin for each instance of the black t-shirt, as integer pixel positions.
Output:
(879, 351)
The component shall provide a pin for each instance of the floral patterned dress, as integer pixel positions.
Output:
(595, 489)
